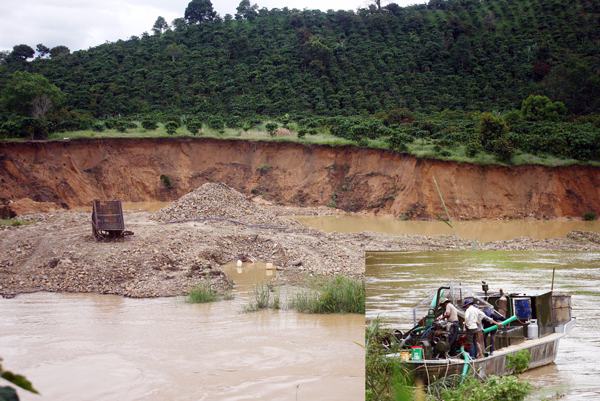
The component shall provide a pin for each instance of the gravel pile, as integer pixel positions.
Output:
(216, 201)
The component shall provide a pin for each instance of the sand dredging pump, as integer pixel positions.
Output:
(435, 336)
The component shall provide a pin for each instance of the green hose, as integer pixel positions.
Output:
(466, 358)
(504, 323)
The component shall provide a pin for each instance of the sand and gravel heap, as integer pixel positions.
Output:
(216, 201)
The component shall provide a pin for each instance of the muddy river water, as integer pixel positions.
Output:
(481, 230)
(77, 347)
(397, 282)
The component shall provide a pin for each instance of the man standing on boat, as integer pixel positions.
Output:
(450, 313)
(473, 323)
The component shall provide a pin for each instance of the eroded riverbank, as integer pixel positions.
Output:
(74, 172)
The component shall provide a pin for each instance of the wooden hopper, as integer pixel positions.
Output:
(107, 220)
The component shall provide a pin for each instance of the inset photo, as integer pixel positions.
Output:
(448, 325)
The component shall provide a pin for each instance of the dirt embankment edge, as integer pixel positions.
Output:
(73, 173)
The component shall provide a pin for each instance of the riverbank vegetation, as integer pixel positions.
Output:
(203, 293)
(338, 294)
(483, 82)
(263, 298)
(332, 295)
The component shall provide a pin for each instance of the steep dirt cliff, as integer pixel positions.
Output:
(72, 173)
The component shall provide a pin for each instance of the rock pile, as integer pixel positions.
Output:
(214, 201)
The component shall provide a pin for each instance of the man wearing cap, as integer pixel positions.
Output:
(450, 313)
(473, 323)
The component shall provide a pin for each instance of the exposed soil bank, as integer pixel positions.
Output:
(72, 173)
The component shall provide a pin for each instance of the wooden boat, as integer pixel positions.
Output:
(552, 313)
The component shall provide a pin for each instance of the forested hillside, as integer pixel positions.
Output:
(464, 55)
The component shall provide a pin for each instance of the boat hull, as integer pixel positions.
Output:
(543, 352)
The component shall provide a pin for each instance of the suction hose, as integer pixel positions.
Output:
(504, 323)
(466, 358)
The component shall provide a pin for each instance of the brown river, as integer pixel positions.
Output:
(481, 230)
(78, 347)
(396, 282)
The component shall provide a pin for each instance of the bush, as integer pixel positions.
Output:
(540, 108)
(98, 126)
(472, 148)
(171, 127)
(271, 128)
(398, 141)
(589, 216)
(398, 116)
(166, 181)
(216, 123)
(493, 133)
(149, 124)
(519, 361)
(194, 126)
(506, 388)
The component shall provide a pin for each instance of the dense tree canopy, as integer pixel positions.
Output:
(419, 73)
(457, 54)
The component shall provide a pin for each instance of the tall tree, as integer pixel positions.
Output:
(22, 53)
(30, 95)
(42, 50)
(246, 11)
(59, 51)
(199, 11)
(160, 26)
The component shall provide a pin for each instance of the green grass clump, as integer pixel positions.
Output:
(334, 295)
(263, 299)
(12, 222)
(589, 216)
(203, 293)
(508, 388)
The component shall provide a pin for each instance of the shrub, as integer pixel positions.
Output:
(302, 133)
(398, 116)
(171, 127)
(589, 216)
(98, 126)
(519, 361)
(149, 124)
(491, 128)
(398, 141)
(362, 142)
(472, 148)
(194, 126)
(247, 126)
(271, 128)
(493, 133)
(264, 168)
(539, 108)
(216, 122)
(166, 181)
(507, 388)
